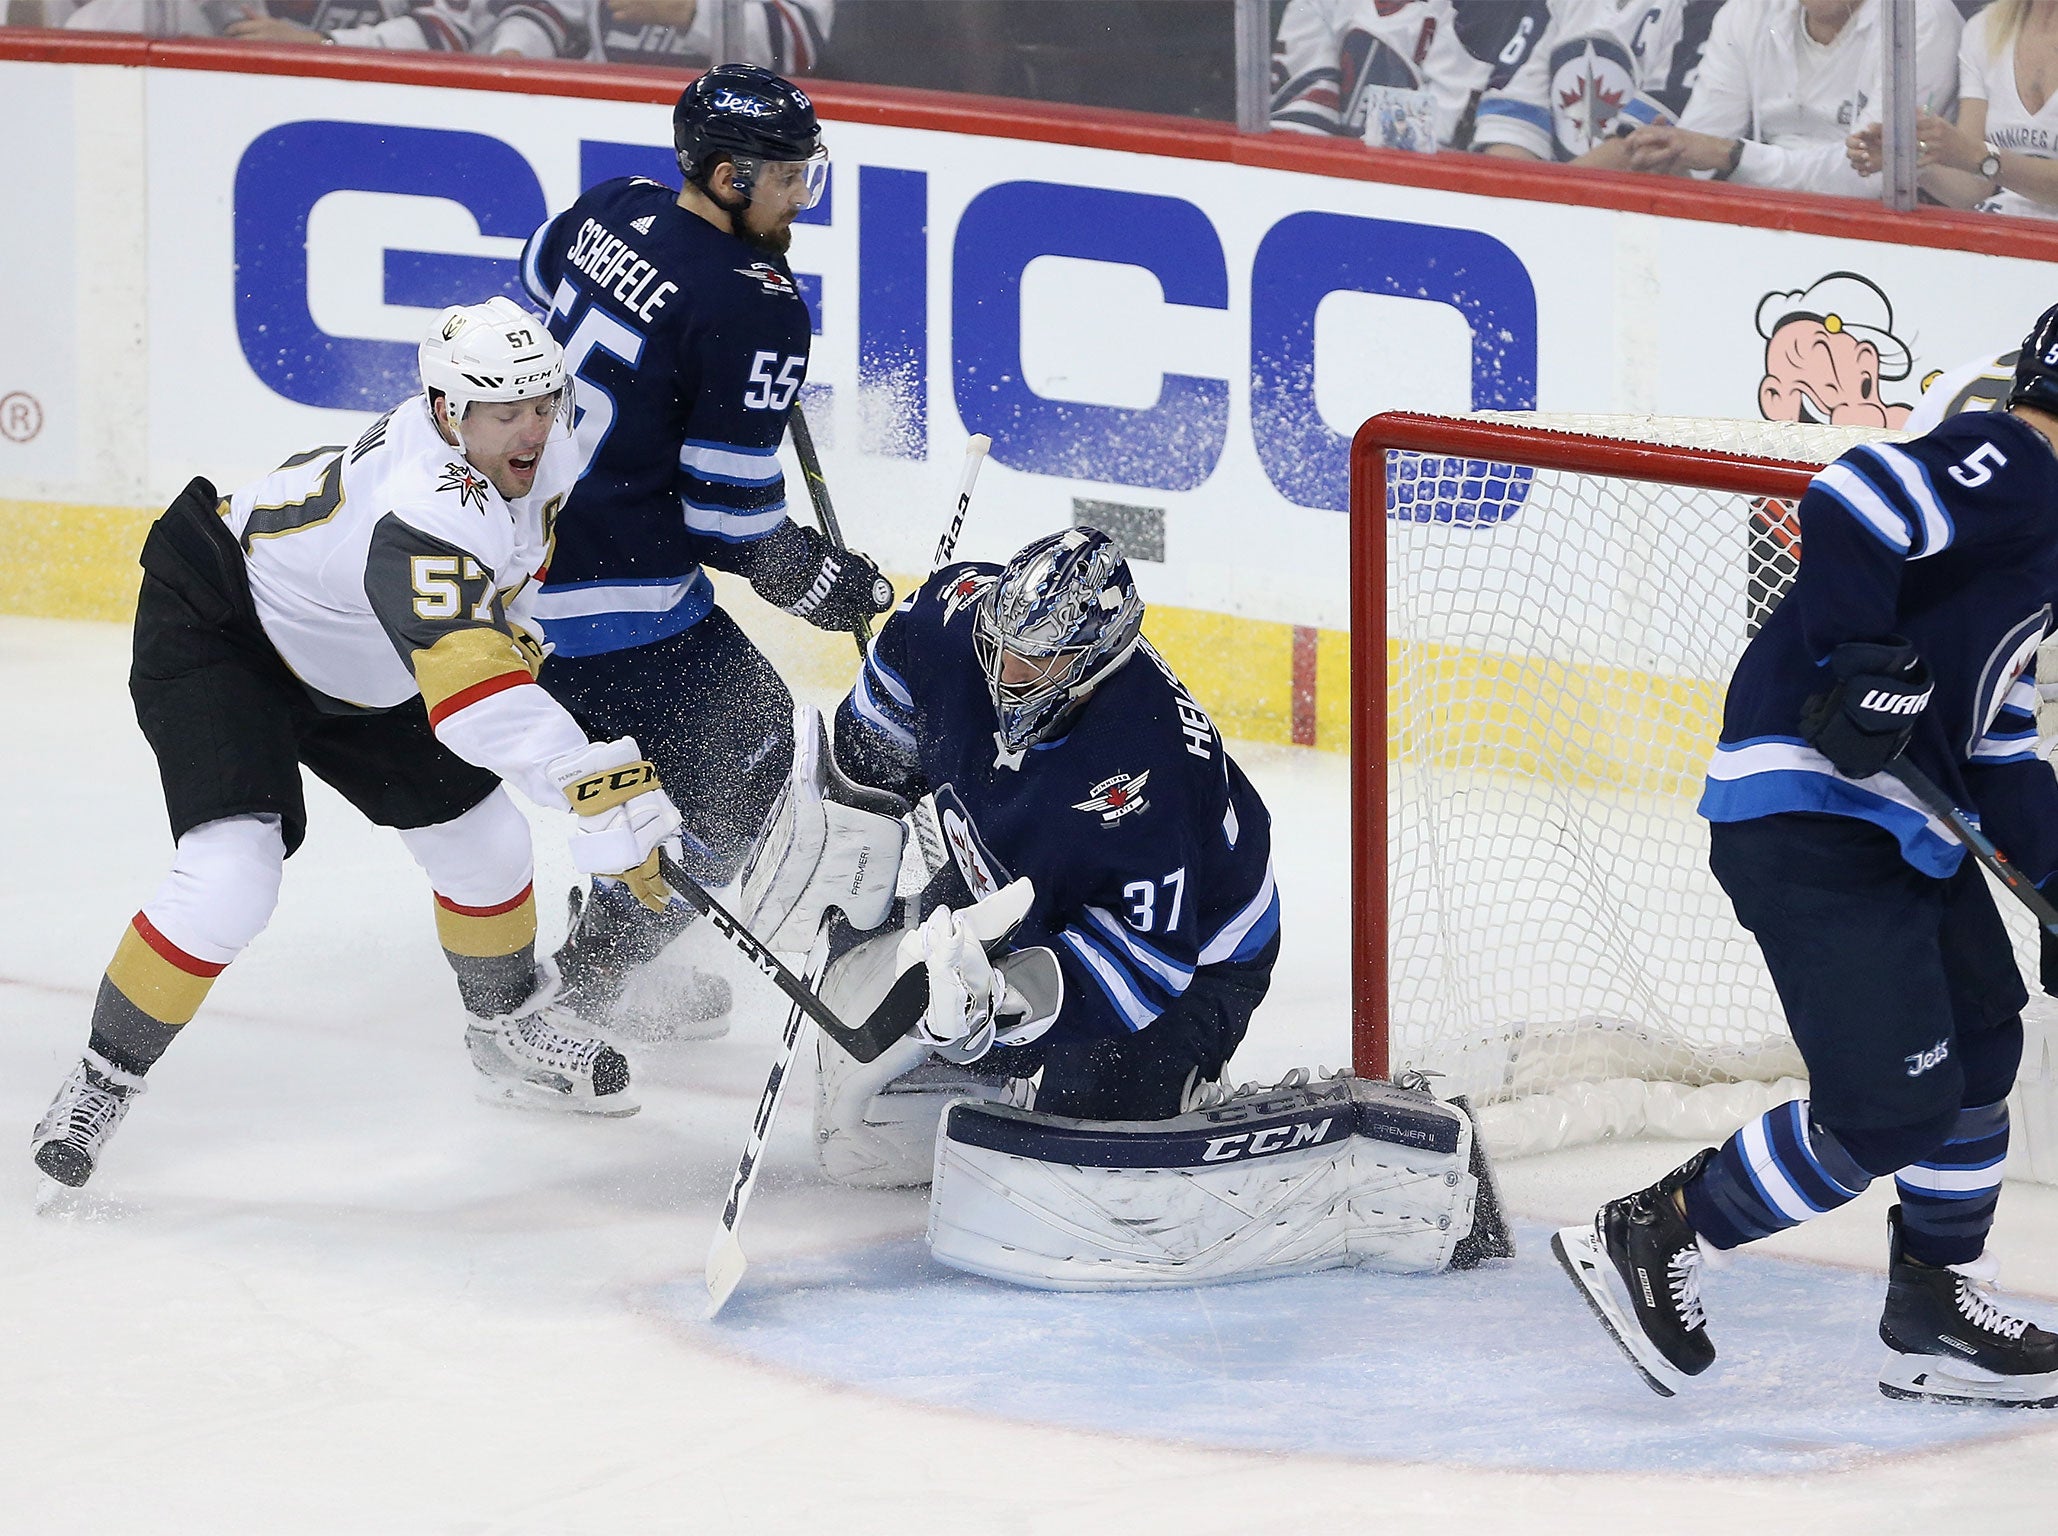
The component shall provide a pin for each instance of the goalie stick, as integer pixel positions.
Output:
(725, 1257)
(1976, 842)
(865, 1043)
(927, 832)
(825, 510)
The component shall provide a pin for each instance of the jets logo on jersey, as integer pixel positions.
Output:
(470, 485)
(964, 592)
(1116, 797)
(774, 281)
(983, 873)
(1590, 81)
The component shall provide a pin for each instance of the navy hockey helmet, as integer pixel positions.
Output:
(2036, 370)
(750, 117)
(1067, 611)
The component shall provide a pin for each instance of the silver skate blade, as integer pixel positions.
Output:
(1940, 1379)
(504, 1094)
(725, 1265)
(1579, 1251)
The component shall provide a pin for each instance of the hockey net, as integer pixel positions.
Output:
(1561, 600)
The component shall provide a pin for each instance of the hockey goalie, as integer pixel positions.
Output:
(1065, 993)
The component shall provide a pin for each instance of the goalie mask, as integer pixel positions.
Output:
(1063, 616)
(494, 353)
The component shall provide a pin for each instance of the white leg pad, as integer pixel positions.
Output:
(875, 1122)
(1285, 1181)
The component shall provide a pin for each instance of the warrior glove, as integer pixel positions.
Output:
(830, 588)
(623, 816)
(1866, 719)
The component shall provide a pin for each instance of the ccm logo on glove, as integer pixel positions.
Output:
(611, 788)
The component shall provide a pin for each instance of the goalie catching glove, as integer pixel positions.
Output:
(1862, 723)
(624, 814)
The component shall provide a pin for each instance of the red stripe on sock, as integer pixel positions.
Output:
(493, 911)
(465, 697)
(171, 954)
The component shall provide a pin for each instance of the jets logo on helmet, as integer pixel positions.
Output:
(749, 117)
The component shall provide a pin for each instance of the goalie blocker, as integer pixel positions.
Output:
(1288, 1179)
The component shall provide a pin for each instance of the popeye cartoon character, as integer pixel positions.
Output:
(1829, 348)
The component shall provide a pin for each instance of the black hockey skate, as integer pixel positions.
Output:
(611, 935)
(68, 1140)
(1949, 1341)
(1652, 1252)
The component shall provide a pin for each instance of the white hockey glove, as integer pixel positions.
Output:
(624, 814)
(967, 995)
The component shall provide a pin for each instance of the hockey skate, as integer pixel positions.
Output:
(611, 982)
(67, 1141)
(1949, 1341)
(1652, 1303)
(536, 1058)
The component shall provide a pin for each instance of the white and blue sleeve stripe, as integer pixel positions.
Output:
(732, 525)
(727, 464)
(1249, 930)
(1170, 974)
(1858, 496)
(1116, 982)
(1912, 478)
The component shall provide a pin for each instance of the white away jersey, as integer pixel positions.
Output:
(392, 567)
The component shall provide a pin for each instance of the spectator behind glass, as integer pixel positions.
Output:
(2002, 154)
(1602, 70)
(1399, 74)
(785, 36)
(442, 25)
(1782, 85)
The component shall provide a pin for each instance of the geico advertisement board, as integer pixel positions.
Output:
(1178, 347)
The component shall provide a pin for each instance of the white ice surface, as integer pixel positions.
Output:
(316, 1287)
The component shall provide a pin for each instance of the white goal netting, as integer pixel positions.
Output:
(1558, 647)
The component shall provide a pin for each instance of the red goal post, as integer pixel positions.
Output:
(1607, 449)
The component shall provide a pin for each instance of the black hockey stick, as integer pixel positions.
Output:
(825, 510)
(1980, 845)
(863, 1043)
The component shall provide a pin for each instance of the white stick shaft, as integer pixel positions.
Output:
(975, 457)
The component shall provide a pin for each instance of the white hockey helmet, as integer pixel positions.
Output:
(495, 351)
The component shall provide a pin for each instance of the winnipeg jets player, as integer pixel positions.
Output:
(1106, 925)
(679, 314)
(365, 611)
(1930, 577)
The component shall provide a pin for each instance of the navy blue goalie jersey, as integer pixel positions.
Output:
(689, 347)
(1150, 852)
(1951, 543)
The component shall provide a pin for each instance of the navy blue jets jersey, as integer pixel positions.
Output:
(689, 346)
(1150, 851)
(1951, 542)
